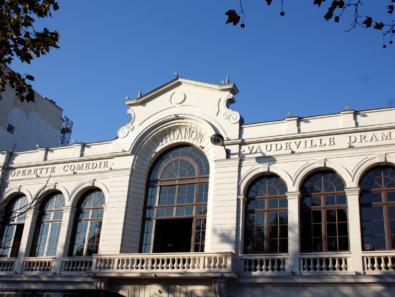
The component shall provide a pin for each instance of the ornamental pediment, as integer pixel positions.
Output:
(182, 98)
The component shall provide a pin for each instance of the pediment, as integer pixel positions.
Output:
(184, 98)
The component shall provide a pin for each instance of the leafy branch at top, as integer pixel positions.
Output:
(20, 39)
(335, 10)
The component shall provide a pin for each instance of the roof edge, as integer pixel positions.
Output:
(176, 82)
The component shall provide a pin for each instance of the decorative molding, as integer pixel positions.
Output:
(228, 114)
(354, 191)
(178, 97)
(125, 130)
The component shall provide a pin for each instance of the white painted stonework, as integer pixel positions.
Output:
(189, 112)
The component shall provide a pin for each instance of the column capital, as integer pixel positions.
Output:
(293, 195)
(242, 198)
(352, 191)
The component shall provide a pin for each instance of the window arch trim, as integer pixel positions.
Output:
(266, 218)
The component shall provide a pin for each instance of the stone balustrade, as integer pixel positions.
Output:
(379, 262)
(263, 264)
(37, 264)
(318, 263)
(210, 264)
(7, 265)
(166, 263)
(76, 265)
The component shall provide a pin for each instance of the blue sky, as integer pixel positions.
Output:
(297, 63)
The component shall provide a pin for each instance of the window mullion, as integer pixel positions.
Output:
(324, 226)
(88, 227)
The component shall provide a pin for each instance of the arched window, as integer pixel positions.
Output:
(12, 229)
(176, 202)
(46, 235)
(87, 225)
(266, 216)
(323, 213)
(377, 205)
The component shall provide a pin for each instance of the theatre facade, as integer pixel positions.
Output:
(189, 200)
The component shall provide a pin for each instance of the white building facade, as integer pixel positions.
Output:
(190, 201)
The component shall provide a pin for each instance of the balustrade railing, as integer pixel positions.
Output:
(7, 265)
(184, 263)
(37, 265)
(76, 265)
(263, 264)
(194, 262)
(323, 263)
(379, 262)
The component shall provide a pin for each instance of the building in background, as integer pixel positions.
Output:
(28, 125)
(188, 201)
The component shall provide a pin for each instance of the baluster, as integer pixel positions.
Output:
(282, 267)
(376, 263)
(303, 264)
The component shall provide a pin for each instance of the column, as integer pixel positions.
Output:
(293, 231)
(354, 229)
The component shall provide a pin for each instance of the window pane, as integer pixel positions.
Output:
(283, 217)
(316, 216)
(78, 249)
(283, 203)
(53, 240)
(273, 203)
(341, 200)
(317, 230)
(6, 242)
(41, 240)
(93, 237)
(343, 243)
(331, 230)
(390, 196)
(342, 229)
(331, 215)
(332, 244)
(330, 200)
(316, 201)
(342, 215)
(379, 242)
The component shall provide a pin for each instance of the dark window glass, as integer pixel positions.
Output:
(266, 216)
(177, 188)
(87, 226)
(11, 230)
(48, 225)
(323, 213)
(377, 206)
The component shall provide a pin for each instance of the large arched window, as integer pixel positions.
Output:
(12, 229)
(87, 225)
(46, 235)
(323, 213)
(176, 202)
(377, 205)
(266, 216)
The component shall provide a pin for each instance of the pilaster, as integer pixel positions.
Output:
(354, 229)
(293, 231)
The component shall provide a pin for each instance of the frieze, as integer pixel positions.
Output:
(59, 169)
(319, 143)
